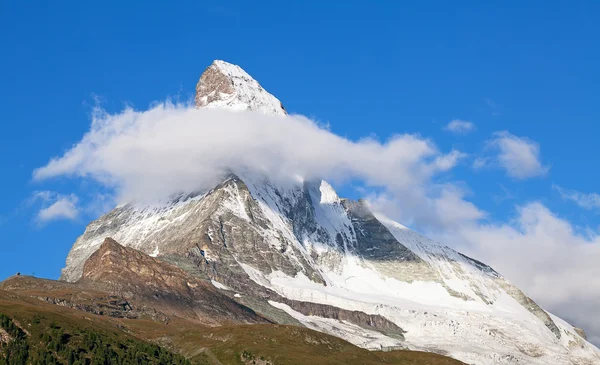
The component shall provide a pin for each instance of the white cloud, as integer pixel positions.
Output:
(56, 206)
(518, 156)
(439, 208)
(63, 208)
(585, 200)
(545, 256)
(173, 148)
(458, 126)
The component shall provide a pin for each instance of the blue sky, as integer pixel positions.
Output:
(365, 68)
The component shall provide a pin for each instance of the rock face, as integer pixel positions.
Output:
(225, 85)
(82, 298)
(134, 275)
(4, 337)
(581, 333)
(122, 282)
(296, 253)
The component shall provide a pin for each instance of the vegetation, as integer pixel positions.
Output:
(266, 344)
(55, 345)
(16, 351)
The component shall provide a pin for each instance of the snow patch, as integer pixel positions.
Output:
(218, 285)
(155, 252)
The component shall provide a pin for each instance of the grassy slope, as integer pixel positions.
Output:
(61, 336)
(263, 344)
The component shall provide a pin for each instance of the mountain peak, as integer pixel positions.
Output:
(225, 85)
(111, 257)
(109, 244)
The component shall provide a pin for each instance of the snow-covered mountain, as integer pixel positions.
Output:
(295, 252)
(223, 85)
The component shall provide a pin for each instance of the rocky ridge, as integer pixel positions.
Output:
(122, 282)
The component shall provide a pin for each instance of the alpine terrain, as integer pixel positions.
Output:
(297, 253)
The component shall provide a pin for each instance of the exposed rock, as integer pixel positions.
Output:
(225, 85)
(137, 276)
(580, 332)
(4, 337)
(367, 321)
(114, 307)
(530, 305)
(374, 241)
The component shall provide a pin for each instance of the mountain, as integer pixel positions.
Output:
(296, 253)
(223, 85)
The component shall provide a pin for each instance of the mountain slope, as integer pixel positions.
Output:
(40, 340)
(139, 277)
(295, 252)
(122, 282)
(43, 333)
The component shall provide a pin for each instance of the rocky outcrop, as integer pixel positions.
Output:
(580, 332)
(4, 337)
(374, 241)
(530, 305)
(80, 297)
(113, 307)
(134, 275)
(367, 321)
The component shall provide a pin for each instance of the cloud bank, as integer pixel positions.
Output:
(152, 154)
(148, 155)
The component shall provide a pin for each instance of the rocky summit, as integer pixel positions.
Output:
(299, 254)
(224, 85)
